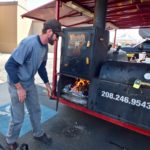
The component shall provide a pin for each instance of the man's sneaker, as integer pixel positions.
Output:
(44, 138)
(12, 146)
(24, 146)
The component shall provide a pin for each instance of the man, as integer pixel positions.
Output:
(27, 59)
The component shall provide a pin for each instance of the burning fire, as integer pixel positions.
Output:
(79, 88)
(77, 92)
(80, 85)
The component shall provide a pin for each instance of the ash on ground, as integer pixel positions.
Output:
(74, 130)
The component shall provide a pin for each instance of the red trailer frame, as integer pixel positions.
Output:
(112, 16)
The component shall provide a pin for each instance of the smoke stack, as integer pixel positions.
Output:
(100, 13)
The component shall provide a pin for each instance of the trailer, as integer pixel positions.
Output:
(117, 92)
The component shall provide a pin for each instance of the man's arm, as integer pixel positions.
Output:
(43, 74)
(11, 68)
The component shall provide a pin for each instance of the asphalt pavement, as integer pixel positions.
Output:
(71, 129)
(74, 130)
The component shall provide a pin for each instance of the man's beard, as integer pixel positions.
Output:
(50, 40)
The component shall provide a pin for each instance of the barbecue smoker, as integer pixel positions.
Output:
(87, 79)
(118, 90)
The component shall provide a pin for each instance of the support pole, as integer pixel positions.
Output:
(114, 44)
(54, 80)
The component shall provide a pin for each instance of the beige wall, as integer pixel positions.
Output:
(23, 24)
(8, 27)
(13, 28)
(36, 27)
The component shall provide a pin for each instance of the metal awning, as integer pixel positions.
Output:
(120, 13)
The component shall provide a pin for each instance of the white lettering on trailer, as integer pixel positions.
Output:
(147, 76)
(125, 99)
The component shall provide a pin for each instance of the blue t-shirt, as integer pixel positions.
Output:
(29, 54)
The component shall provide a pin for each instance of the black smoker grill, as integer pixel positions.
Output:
(112, 93)
(110, 90)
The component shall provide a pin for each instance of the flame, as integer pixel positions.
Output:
(80, 84)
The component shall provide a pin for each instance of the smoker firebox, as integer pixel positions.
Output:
(74, 89)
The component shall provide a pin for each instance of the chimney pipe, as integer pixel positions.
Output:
(100, 13)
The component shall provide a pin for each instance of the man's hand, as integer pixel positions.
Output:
(49, 90)
(21, 92)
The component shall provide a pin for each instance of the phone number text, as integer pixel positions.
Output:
(125, 99)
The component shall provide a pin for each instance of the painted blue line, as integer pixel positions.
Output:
(47, 113)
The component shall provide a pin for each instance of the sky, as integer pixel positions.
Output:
(31, 3)
(131, 33)
(35, 3)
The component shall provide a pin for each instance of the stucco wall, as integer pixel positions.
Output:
(36, 27)
(8, 27)
(23, 24)
(13, 28)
